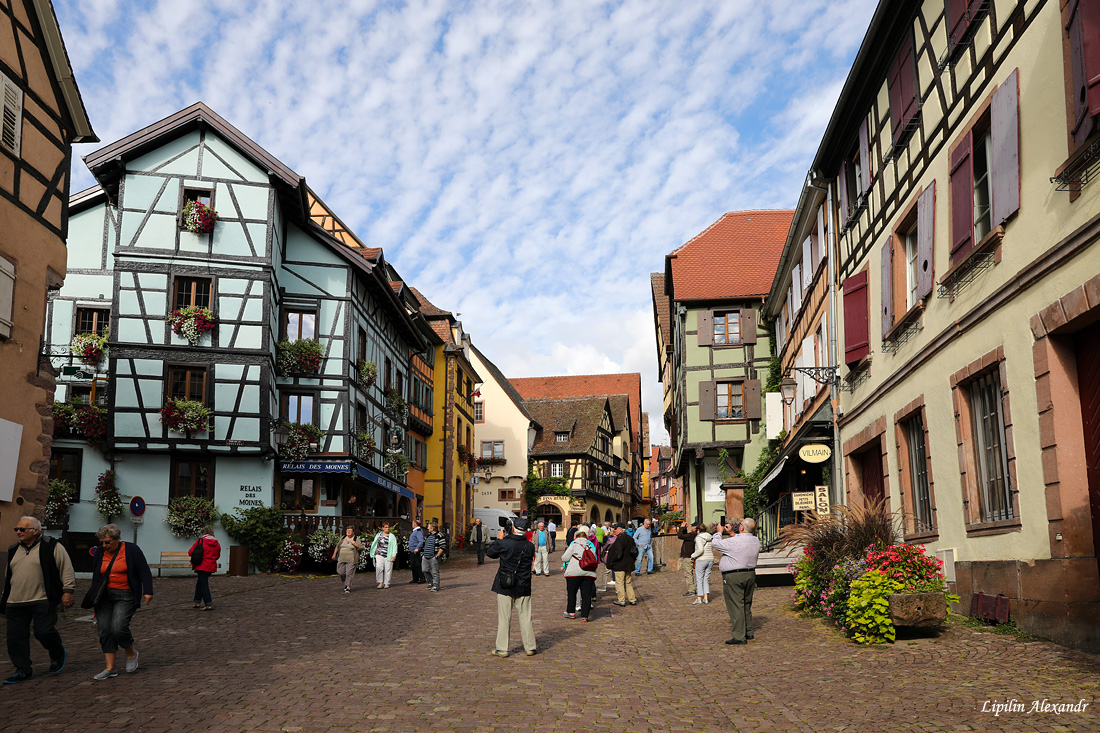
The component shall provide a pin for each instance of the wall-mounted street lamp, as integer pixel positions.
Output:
(821, 375)
(280, 434)
(790, 388)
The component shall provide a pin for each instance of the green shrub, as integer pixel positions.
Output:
(262, 530)
(869, 608)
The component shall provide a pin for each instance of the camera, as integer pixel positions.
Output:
(505, 523)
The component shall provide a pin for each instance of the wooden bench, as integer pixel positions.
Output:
(174, 561)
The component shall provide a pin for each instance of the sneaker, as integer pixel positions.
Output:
(697, 602)
(568, 615)
(132, 664)
(707, 600)
(618, 604)
(18, 677)
(633, 603)
(347, 590)
(498, 653)
(585, 619)
(387, 585)
(106, 675)
(531, 652)
(686, 595)
(56, 665)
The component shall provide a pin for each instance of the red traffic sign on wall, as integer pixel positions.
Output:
(137, 506)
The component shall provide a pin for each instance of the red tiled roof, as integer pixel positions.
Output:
(661, 307)
(442, 330)
(580, 417)
(396, 285)
(735, 257)
(587, 385)
(426, 307)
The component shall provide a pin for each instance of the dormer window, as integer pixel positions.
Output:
(561, 437)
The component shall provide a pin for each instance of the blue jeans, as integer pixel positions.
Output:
(202, 587)
(112, 620)
(643, 552)
(431, 568)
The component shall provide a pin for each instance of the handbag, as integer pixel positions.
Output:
(196, 554)
(506, 578)
(99, 586)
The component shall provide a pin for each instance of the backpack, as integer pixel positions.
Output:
(196, 554)
(588, 560)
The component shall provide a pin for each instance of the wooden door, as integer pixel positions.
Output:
(1088, 382)
(871, 476)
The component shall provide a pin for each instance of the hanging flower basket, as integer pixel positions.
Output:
(396, 407)
(85, 421)
(298, 442)
(185, 416)
(198, 218)
(192, 322)
(189, 515)
(396, 465)
(89, 347)
(368, 372)
(60, 496)
(365, 445)
(301, 358)
(108, 502)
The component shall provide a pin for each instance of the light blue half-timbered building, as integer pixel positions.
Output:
(277, 272)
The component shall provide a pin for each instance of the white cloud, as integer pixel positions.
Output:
(526, 164)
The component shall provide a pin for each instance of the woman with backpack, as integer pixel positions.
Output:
(204, 561)
(580, 562)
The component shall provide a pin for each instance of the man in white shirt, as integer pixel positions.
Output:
(553, 530)
(740, 553)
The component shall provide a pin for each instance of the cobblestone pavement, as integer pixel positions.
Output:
(296, 654)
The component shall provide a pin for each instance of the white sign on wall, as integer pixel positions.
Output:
(11, 434)
(773, 414)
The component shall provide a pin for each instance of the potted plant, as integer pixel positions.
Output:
(365, 444)
(188, 515)
(396, 407)
(301, 358)
(301, 439)
(262, 531)
(89, 347)
(367, 372)
(59, 497)
(198, 218)
(185, 416)
(396, 465)
(108, 502)
(84, 421)
(192, 322)
(321, 544)
(290, 556)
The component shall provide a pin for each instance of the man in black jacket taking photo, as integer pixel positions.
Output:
(512, 585)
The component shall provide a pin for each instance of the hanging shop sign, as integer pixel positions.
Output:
(815, 453)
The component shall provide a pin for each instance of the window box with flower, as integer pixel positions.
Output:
(367, 371)
(74, 420)
(302, 439)
(60, 496)
(185, 416)
(364, 445)
(89, 347)
(192, 323)
(299, 358)
(108, 501)
(396, 407)
(197, 217)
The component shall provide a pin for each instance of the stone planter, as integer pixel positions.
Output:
(918, 609)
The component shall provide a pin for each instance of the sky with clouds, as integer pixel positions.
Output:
(525, 164)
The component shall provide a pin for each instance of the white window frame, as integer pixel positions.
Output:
(911, 268)
(7, 297)
(561, 437)
(11, 115)
(557, 469)
(983, 187)
(496, 448)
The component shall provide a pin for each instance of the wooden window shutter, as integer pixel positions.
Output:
(1005, 136)
(11, 123)
(565, 469)
(926, 238)
(856, 339)
(706, 328)
(957, 21)
(544, 469)
(962, 199)
(864, 158)
(748, 325)
(807, 264)
(887, 286)
(1084, 39)
(842, 189)
(893, 88)
(7, 297)
(901, 83)
(752, 400)
(706, 400)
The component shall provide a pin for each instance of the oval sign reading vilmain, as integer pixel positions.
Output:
(815, 453)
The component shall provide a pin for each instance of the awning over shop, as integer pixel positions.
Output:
(377, 478)
(315, 467)
(773, 473)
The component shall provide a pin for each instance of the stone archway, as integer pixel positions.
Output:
(594, 515)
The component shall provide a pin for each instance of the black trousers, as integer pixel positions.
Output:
(587, 587)
(43, 617)
(415, 566)
(202, 587)
(480, 553)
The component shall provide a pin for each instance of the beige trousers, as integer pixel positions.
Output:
(689, 574)
(522, 605)
(624, 587)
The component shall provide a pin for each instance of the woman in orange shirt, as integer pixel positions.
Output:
(128, 580)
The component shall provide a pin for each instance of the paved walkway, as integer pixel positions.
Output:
(296, 654)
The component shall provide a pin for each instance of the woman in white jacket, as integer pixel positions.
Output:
(704, 561)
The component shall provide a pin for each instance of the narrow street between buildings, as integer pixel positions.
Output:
(284, 653)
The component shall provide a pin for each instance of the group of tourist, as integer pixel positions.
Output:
(40, 579)
(735, 540)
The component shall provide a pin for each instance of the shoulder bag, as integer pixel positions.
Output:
(99, 585)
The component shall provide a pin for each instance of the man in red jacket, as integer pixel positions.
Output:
(204, 562)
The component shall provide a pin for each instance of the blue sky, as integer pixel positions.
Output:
(525, 164)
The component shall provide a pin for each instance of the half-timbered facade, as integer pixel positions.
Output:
(715, 285)
(41, 116)
(576, 442)
(300, 316)
(958, 171)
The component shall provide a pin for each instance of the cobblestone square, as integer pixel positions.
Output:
(296, 654)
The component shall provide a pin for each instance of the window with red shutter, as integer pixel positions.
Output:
(1083, 28)
(902, 86)
(962, 200)
(856, 307)
(962, 16)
